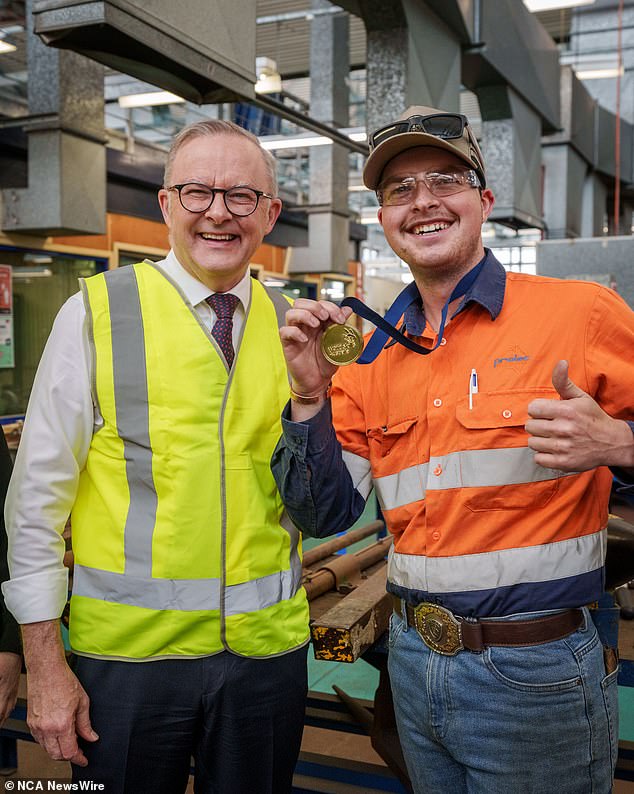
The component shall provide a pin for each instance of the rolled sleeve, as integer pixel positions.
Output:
(40, 596)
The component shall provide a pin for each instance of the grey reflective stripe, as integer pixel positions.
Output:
(294, 558)
(279, 302)
(133, 422)
(91, 343)
(402, 488)
(489, 570)
(259, 593)
(183, 595)
(360, 472)
(474, 468)
(479, 468)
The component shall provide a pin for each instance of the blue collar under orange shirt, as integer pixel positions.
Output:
(487, 290)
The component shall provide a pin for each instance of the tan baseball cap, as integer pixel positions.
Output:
(422, 126)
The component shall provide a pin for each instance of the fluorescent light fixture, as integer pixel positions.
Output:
(295, 142)
(550, 5)
(269, 79)
(6, 47)
(149, 99)
(367, 220)
(592, 66)
(357, 189)
(268, 84)
(600, 74)
(272, 142)
(38, 259)
(43, 272)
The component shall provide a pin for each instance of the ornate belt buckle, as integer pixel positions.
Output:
(438, 629)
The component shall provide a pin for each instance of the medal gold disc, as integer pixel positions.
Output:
(341, 344)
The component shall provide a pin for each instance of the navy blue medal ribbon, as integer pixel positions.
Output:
(385, 326)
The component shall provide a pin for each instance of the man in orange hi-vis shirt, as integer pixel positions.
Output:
(489, 455)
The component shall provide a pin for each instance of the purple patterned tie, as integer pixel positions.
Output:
(224, 304)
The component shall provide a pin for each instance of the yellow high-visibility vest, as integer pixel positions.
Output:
(182, 546)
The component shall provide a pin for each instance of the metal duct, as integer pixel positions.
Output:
(204, 55)
(66, 191)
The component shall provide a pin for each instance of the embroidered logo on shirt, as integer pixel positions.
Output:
(515, 356)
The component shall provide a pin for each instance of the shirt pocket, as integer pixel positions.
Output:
(497, 468)
(392, 447)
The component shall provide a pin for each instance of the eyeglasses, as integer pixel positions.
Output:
(239, 200)
(442, 125)
(394, 192)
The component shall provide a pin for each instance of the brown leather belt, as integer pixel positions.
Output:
(447, 634)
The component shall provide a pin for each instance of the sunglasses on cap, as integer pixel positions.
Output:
(442, 125)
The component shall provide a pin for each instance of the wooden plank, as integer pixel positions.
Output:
(346, 630)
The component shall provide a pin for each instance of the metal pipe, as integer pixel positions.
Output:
(279, 109)
(324, 580)
(477, 22)
(617, 131)
(336, 544)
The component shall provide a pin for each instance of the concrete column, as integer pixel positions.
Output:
(594, 203)
(66, 154)
(564, 180)
(413, 58)
(328, 222)
(511, 134)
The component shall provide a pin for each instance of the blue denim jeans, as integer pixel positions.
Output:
(531, 720)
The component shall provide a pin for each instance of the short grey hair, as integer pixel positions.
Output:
(211, 127)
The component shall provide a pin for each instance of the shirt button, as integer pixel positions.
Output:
(443, 341)
(435, 535)
(438, 470)
(437, 402)
(507, 414)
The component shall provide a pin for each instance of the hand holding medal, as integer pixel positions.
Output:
(310, 361)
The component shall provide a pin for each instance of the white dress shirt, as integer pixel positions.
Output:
(60, 421)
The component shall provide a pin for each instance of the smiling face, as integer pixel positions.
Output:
(438, 237)
(216, 246)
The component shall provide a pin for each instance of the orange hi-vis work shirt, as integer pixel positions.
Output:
(478, 526)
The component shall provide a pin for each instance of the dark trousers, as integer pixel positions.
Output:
(240, 719)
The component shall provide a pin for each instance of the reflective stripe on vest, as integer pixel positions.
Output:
(128, 359)
(184, 595)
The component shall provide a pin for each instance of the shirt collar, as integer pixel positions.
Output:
(194, 290)
(487, 290)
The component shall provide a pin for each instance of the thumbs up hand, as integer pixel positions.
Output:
(574, 433)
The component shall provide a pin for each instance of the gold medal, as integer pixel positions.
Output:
(341, 344)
